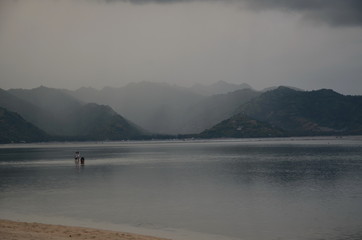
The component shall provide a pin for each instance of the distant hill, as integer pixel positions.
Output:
(54, 101)
(65, 117)
(14, 129)
(220, 87)
(156, 107)
(283, 86)
(214, 109)
(99, 122)
(32, 113)
(168, 109)
(307, 112)
(242, 126)
(164, 109)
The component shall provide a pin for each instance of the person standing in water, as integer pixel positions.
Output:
(77, 157)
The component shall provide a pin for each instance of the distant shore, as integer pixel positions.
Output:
(11, 230)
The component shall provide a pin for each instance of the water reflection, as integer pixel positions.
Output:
(285, 165)
(240, 189)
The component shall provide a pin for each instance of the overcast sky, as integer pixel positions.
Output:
(309, 44)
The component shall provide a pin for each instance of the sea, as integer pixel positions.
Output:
(228, 189)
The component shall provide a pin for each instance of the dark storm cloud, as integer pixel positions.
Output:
(332, 12)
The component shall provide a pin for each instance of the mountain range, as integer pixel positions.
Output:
(319, 112)
(171, 109)
(150, 110)
(64, 117)
(14, 128)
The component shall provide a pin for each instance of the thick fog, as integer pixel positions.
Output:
(69, 44)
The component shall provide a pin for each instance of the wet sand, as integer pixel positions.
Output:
(11, 230)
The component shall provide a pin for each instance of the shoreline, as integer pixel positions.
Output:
(15, 230)
(200, 140)
(150, 233)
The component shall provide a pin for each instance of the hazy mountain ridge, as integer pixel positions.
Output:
(220, 87)
(170, 109)
(156, 107)
(14, 128)
(52, 100)
(214, 109)
(32, 113)
(65, 117)
(93, 122)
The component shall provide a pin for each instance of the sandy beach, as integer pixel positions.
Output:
(11, 230)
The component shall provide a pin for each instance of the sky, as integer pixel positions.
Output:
(309, 44)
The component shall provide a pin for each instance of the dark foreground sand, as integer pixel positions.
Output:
(10, 230)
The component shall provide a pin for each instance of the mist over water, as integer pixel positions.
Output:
(243, 189)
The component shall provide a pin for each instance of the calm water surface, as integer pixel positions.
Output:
(233, 189)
